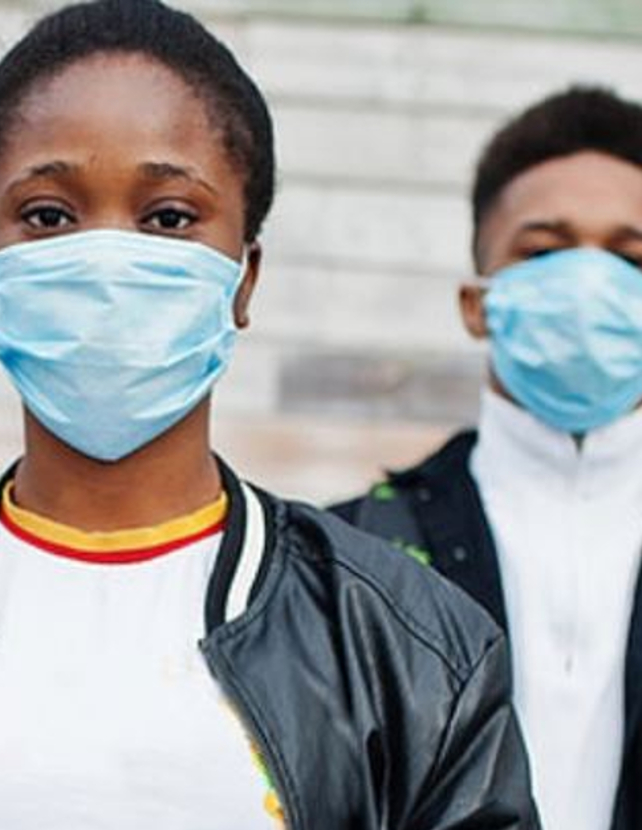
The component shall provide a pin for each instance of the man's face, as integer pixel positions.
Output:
(587, 199)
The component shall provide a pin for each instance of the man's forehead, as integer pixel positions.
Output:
(587, 188)
(568, 182)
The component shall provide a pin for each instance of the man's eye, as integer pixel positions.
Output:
(47, 217)
(169, 219)
(633, 259)
(534, 253)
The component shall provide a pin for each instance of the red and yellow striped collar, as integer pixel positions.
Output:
(113, 547)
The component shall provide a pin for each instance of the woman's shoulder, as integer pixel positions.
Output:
(428, 610)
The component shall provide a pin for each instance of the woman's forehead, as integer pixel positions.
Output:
(114, 123)
(122, 103)
(112, 80)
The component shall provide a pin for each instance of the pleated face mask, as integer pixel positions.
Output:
(112, 337)
(566, 336)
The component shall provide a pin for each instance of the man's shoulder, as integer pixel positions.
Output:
(435, 487)
(444, 466)
(429, 609)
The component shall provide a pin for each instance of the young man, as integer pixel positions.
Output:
(538, 514)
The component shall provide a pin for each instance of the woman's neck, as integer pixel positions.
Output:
(172, 476)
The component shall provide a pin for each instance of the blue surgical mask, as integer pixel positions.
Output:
(566, 336)
(112, 337)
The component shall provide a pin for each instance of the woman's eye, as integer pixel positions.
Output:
(47, 217)
(169, 219)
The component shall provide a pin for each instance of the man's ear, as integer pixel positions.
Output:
(471, 308)
(247, 286)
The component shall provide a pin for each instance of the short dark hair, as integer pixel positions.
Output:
(234, 103)
(578, 119)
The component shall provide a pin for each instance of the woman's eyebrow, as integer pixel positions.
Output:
(627, 233)
(48, 169)
(160, 170)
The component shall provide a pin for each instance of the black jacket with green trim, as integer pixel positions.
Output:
(434, 512)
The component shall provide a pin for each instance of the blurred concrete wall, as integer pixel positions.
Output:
(356, 356)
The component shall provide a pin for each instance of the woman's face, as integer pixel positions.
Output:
(118, 141)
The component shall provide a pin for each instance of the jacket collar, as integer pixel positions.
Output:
(231, 546)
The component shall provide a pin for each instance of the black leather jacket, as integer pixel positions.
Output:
(377, 692)
(435, 513)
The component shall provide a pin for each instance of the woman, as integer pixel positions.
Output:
(157, 616)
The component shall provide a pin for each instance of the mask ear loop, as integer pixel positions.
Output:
(481, 281)
(243, 264)
(244, 261)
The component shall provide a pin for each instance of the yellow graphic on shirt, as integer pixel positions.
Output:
(271, 802)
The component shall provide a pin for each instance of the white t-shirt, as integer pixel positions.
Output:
(109, 716)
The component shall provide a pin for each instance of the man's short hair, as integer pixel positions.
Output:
(579, 119)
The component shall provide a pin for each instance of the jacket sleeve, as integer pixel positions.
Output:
(480, 780)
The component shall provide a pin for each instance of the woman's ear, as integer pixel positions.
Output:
(247, 286)
(471, 308)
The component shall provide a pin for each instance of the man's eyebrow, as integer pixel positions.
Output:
(161, 170)
(563, 228)
(557, 226)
